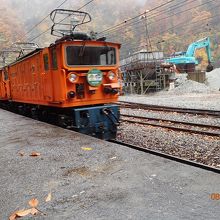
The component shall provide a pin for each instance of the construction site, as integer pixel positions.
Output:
(150, 71)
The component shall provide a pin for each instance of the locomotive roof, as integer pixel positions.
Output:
(86, 41)
(31, 53)
(27, 55)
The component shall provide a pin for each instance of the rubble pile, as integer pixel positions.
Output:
(184, 86)
(189, 86)
(213, 79)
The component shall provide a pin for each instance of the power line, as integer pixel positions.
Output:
(42, 20)
(139, 21)
(85, 5)
(157, 13)
(177, 26)
(169, 16)
(137, 16)
(183, 24)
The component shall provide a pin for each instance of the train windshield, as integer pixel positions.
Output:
(90, 56)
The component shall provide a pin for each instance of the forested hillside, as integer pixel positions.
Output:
(11, 28)
(170, 28)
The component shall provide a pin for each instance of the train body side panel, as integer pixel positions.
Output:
(27, 81)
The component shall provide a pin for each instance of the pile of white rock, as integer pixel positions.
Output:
(189, 86)
(213, 79)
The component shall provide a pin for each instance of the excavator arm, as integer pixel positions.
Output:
(203, 43)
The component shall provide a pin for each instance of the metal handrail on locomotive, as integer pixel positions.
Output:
(73, 82)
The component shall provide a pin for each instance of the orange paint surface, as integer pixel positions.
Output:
(42, 78)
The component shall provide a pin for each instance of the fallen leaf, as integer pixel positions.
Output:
(35, 154)
(13, 216)
(87, 148)
(20, 213)
(34, 211)
(33, 203)
(49, 197)
(21, 154)
(23, 213)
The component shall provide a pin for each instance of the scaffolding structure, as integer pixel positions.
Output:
(145, 72)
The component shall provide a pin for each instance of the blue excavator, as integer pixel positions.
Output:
(186, 62)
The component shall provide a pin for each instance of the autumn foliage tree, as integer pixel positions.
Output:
(11, 27)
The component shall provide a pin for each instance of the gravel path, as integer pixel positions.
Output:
(199, 148)
(197, 101)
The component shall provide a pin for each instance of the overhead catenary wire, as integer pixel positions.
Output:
(124, 49)
(87, 3)
(137, 16)
(140, 22)
(36, 25)
(148, 43)
(150, 17)
(128, 42)
(42, 20)
(183, 24)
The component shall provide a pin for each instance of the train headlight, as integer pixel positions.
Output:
(111, 76)
(72, 77)
(94, 77)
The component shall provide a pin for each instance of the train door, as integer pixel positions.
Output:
(47, 78)
(58, 74)
(4, 84)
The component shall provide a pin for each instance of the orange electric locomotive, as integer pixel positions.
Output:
(73, 82)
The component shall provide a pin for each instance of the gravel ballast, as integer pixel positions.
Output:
(199, 148)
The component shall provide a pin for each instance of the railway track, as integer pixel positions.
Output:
(132, 105)
(196, 128)
(168, 156)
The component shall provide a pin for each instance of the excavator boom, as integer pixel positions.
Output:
(189, 57)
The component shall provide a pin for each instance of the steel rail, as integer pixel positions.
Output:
(173, 121)
(133, 105)
(193, 131)
(168, 156)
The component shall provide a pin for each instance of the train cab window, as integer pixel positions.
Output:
(88, 55)
(54, 58)
(46, 62)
